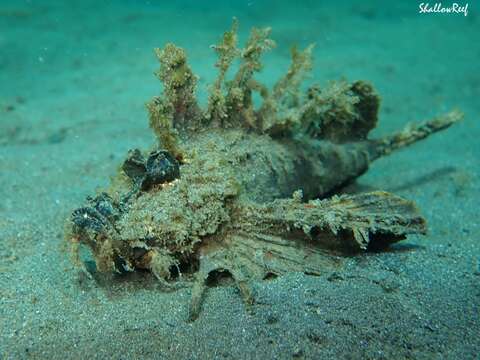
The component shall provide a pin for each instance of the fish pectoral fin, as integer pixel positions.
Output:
(342, 223)
(219, 261)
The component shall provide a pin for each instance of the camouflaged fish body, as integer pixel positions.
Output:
(243, 190)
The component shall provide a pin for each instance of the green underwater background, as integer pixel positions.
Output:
(74, 80)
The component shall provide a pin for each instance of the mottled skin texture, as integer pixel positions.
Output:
(246, 201)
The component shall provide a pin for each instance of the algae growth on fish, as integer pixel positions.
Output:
(245, 190)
